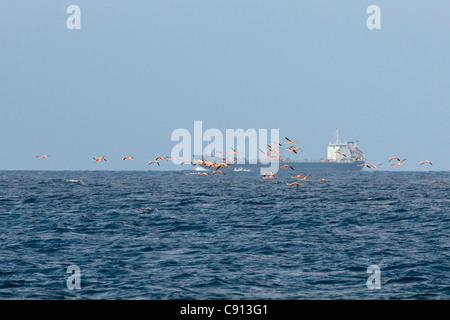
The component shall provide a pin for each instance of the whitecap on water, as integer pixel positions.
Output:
(75, 181)
(147, 208)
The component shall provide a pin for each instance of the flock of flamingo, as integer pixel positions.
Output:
(272, 153)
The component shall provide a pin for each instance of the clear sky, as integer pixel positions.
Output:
(137, 70)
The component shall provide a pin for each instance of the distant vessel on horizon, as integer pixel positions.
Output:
(341, 156)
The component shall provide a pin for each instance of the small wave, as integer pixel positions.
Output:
(30, 200)
(407, 279)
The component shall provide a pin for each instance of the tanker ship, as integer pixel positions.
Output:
(341, 156)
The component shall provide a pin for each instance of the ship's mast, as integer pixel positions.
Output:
(336, 136)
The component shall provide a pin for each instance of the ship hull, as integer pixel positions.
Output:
(306, 166)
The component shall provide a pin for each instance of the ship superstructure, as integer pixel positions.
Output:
(338, 151)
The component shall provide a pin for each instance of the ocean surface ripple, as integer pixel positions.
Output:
(171, 235)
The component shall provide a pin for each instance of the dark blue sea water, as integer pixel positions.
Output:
(170, 235)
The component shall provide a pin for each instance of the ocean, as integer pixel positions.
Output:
(173, 235)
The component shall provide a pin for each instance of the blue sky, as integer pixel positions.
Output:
(138, 70)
